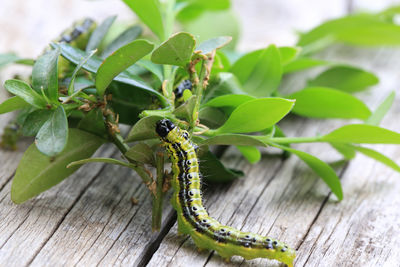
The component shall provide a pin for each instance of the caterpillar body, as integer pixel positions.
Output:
(193, 219)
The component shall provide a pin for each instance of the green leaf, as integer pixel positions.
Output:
(129, 35)
(71, 85)
(45, 74)
(260, 71)
(228, 101)
(153, 68)
(177, 50)
(345, 149)
(378, 157)
(24, 91)
(381, 111)
(52, 136)
(207, 47)
(346, 78)
(212, 117)
(35, 120)
(93, 123)
(327, 174)
(320, 102)
(191, 10)
(75, 55)
(144, 129)
(149, 13)
(119, 61)
(214, 171)
(360, 29)
(233, 139)
(103, 160)
(37, 172)
(362, 133)
(251, 153)
(288, 54)
(13, 103)
(99, 33)
(141, 153)
(256, 115)
(185, 111)
(303, 64)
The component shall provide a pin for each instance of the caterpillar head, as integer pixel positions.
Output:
(163, 127)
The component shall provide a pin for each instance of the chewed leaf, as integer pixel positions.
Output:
(177, 50)
(256, 115)
(37, 172)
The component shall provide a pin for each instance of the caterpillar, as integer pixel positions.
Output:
(193, 219)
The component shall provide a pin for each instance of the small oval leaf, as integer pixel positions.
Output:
(52, 136)
(362, 133)
(321, 102)
(24, 91)
(119, 61)
(256, 115)
(177, 50)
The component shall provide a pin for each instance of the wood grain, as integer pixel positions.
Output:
(89, 220)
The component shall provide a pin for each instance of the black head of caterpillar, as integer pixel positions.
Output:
(193, 219)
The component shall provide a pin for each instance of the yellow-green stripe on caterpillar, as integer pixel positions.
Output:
(193, 219)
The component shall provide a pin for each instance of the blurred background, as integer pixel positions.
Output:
(26, 26)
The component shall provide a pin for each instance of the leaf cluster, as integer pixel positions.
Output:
(81, 91)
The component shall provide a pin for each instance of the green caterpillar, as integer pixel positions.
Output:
(193, 218)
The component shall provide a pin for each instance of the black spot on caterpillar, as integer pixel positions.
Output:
(193, 219)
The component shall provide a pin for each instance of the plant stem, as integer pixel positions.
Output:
(199, 94)
(158, 197)
(119, 142)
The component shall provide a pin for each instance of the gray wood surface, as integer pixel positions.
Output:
(89, 220)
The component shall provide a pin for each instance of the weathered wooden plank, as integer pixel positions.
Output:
(363, 229)
(25, 228)
(104, 227)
